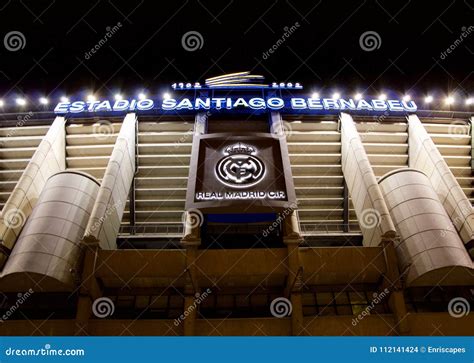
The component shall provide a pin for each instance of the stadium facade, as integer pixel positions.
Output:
(236, 208)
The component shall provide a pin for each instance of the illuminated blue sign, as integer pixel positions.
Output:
(285, 104)
(104, 106)
(218, 95)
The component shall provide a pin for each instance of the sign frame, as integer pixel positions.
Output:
(235, 206)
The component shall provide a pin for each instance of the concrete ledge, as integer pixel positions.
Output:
(427, 324)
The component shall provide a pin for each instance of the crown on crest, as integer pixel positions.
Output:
(239, 148)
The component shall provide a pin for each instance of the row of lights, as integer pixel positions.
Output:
(91, 97)
(428, 99)
(44, 101)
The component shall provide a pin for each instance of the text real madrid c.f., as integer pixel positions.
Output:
(241, 195)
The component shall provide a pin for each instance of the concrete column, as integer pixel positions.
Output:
(292, 238)
(374, 219)
(291, 225)
(104, 224)
(425, 156)
(471, 124)
(428, 252)
(192, 221)
(276, 125)
(190, 291)
(48, 251)
(190, 321)
(297, 318)
(48, 159)
(293, 288)
(394, 285)
(88, 292)
(200, 123)
(192, 228)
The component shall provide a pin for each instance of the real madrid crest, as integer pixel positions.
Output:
(240, 168)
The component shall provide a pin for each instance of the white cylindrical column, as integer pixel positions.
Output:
(430, 250)
(48, 249)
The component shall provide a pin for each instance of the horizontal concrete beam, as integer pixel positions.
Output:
(240, 268)
(377, 325)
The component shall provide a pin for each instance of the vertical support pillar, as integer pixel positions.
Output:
(133, 186)
(393, 283)
(191, 241)
(277, 126)
(345, 217)
(191, 291)
(190, 321)
(471, 121)
(131, 199)
(194, 219)
(200, 124)
(292, 238)
(89, 291)
(294, 285)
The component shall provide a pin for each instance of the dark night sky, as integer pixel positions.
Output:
(323, 53)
